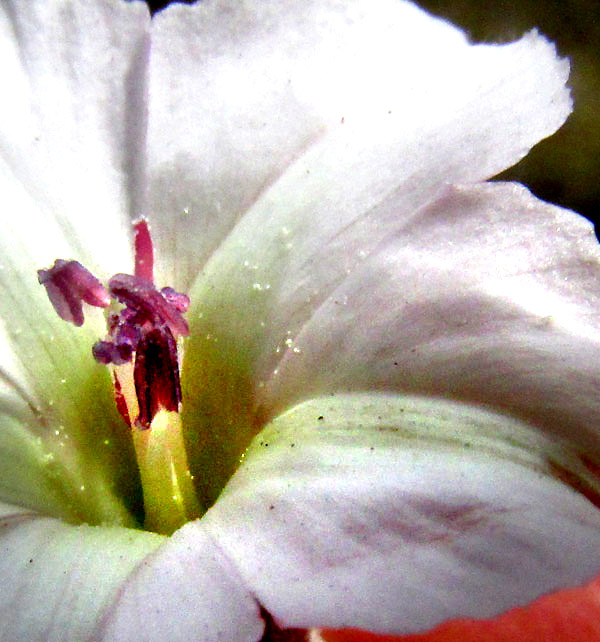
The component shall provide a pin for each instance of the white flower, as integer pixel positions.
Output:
(414, 352)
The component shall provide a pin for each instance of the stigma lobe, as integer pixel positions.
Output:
(68, 284)
(144, 300)
(144, 250)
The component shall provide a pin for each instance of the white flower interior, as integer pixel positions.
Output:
(311, 171)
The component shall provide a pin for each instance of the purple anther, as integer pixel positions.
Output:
(128, 335)
(141, 297)
(125, 353)
(103, 352)
(156, 375)
(68, 284)
(106, 352)
(180, 301)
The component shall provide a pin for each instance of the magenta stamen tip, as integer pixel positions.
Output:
(144, 250)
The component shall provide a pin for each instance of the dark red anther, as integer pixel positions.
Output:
(68, 284)
(144, 251)
(156, 375)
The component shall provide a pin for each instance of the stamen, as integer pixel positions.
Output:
(144, 331)
(141, 347)
(146, 328)
(68, 284)
(156, 375)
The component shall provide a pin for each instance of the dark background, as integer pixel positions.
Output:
(564, 169)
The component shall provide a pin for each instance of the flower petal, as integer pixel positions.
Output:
(73, 122)
(115, 584)
(463, 116)
(27, 477)
(487, 295)
(570, 615)
(60, 579)
(392, 514)
(349, 102)
(188, 590)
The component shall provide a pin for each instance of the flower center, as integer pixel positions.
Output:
(141, 349)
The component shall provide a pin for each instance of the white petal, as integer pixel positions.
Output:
(487, 295)
(349, 101)
(393, 514)
(73, 123)
(27, 477)
(78, 583)
(59, 580)
(464, 117)
(188, 590)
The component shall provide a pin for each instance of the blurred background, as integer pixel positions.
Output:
(564, 169)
